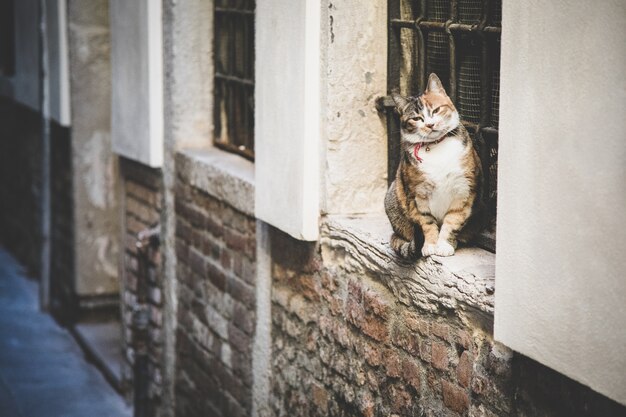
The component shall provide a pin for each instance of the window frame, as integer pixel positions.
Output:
(486, 30)
(229, 81)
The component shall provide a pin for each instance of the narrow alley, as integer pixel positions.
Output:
(43, 372)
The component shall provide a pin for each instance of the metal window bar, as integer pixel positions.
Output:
(460, 41)
(234, 76)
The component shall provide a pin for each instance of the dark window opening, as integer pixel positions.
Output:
(7, 38)
(459, 40)
(234, 76)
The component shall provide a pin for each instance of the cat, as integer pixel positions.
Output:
(436, 198)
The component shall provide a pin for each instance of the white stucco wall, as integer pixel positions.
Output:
(137, 80)
(287, 116)
(561, 263)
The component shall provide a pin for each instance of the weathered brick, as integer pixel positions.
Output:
(216, 276)
(439, 355)
(308, 287)
(401, 400)
(411, 373)
(320, 397)
(375, 304)
(454, 397)
(392, 364)
(239, 340)
(197, 262)
(243, 318)
(402, 337)
(376, 329)
(235, 240)
(464, 369)
(241, 291)
(441, 330)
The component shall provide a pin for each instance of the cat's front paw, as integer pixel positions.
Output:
(429, 249)
(444, 249)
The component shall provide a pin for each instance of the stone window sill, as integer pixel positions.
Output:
(223, 175)
(464, 281)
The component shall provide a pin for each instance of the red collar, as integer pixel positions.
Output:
(418, 146)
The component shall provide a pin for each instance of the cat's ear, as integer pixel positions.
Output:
(434, 85)
(400, 101)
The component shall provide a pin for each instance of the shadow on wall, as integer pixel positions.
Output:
(20, 183)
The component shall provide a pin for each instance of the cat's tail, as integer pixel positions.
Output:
(404, 248)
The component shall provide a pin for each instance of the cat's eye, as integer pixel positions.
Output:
(436, 110)
(416, 118)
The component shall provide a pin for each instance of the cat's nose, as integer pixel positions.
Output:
(430, 125)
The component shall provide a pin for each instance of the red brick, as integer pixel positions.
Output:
(415, 323)
(375, 304)
(441, 330)
(439, 355)
(235, 240)
(213, 227)
(464, 339)
(393, 364)
(411, 373)
(242, 292)
(402, 337)
(371, 354)
(354, 312)
(216, 276)
(376, 329)
(226, 260)
(243, 318)
(464, 369)
(454, 397)
(197, 263)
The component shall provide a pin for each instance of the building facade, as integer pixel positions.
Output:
(215, 173)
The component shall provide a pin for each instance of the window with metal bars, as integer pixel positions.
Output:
(459, 40)
(7, 39)
(234, 76)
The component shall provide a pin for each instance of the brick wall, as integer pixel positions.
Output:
(344, 345)
(20, 183)
(215, 249)
(142, 210)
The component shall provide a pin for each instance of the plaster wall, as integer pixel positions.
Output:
(354, 42)
(560, 249)
(287, 116)
(137, 73)
(95, 169)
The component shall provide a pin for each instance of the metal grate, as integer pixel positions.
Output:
(234, 76)
(459, 40)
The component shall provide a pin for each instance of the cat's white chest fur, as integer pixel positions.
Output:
(443, 167)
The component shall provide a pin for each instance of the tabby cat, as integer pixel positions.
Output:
(436, 196)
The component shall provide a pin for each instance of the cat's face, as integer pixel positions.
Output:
(428, 117)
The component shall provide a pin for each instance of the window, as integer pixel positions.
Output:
(234, 76)
(459, 40)
(7, 39)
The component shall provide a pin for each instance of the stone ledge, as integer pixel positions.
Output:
(223, 175)
(465, 280)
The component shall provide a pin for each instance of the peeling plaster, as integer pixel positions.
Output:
(97, 170)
